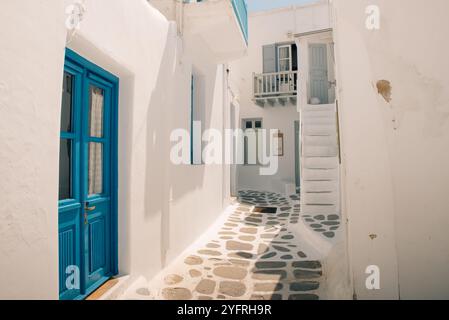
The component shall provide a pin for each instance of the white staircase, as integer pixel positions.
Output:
(320, 192)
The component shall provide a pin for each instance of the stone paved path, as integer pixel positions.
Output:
(253, 255)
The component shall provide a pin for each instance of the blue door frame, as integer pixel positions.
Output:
(88, 230)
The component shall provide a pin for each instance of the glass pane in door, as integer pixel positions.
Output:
(66, 110)
(284, 53)
(65, 169)
(284, 65)
(96, 112)
(95, 176)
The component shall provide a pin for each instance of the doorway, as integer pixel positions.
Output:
(87, 178)
(319, 82)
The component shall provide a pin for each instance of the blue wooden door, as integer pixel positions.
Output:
(319, 82)
(87, 178)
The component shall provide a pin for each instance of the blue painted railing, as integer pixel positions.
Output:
(241, 11)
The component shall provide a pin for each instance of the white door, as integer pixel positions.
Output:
(319, 82)
(284, 65)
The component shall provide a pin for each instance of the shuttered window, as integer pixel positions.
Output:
(279, 57)
(269, 58)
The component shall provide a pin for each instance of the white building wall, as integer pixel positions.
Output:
(395, 154)
(269, 27)
(31, 64)
(162, 208)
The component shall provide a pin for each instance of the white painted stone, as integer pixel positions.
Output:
(320, 162)
(319, 129)
(319, 151)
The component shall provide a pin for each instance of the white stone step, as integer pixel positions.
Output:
(313, 151)
(317, 114)
(320, 174)
(320, 163)
(320, 198)
(315, 186)
(317, 141)
(320, 120)
(318, 209)
(325, 107)
(313, 129)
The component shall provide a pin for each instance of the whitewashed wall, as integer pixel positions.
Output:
(395, 155)
(266, 28)
(162, 208)
(31, 64)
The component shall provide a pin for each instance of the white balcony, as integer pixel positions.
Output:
(275, 88)
(221, 24)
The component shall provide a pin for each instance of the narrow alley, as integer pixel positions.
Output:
(252, 253)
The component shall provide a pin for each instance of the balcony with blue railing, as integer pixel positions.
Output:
(222, 24)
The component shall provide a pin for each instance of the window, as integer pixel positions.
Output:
(280, 57)
(251, 140)
(197, 119)
(284, 58)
